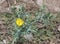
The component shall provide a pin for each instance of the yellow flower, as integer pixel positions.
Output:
(19, 22)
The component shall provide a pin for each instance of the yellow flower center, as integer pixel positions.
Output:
(19, 22)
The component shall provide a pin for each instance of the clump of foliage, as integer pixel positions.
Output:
(32, 25)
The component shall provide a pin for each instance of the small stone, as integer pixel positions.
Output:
(59, 27)
(28, 37)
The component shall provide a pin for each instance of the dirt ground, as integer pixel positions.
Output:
(52, 5)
